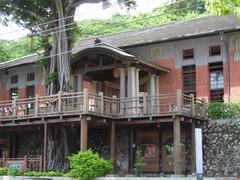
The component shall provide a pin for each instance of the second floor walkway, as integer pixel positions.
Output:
(86, 103)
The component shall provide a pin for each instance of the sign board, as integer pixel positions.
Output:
(199, 157)
(20, 165)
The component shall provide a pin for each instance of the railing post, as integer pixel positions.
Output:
(179, 100)
(4, 161)
(145, 103)
(40, 163)
(15, 106)
(36, 104)
(192, 104)
(85, 100)
(204, 107)
(101, 103)
(114, 105)
(26, 161)
(59, 102)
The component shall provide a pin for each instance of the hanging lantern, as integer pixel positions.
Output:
(116, 73)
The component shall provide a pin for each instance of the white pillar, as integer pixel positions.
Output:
(80, 83)
(122, 83)
(152, 92)
(131, 90)
(131, 86)
(157, 94)
(152, 84)
(137, 82)
(122, 90)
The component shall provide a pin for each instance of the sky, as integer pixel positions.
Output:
(86, 11)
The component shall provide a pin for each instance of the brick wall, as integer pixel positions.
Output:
(234, 77)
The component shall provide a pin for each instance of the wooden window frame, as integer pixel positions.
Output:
(189, 79)
(31, 76)
(188, 54)
(14, 79)
(215, 50)
(217, 92)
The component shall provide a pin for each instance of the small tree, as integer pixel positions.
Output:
(139, 162)
(87, 165)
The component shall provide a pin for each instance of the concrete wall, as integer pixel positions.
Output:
(221, 145)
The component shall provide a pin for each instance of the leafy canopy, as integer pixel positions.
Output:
(223, 7)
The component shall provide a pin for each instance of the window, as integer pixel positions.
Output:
(13, 93)
(30, 77)
(14, 79)
(188, 54)
(216, 82)
(189, 79)
(214, 50)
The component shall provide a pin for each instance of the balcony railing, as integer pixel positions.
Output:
(99, 105)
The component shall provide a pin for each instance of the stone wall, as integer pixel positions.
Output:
(221, 148)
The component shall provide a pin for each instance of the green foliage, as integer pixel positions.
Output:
(3, 171)
(161, 15)
(219, 110)
(223, 7)
(51, 77)
(49, 173)
(87, 165)
(13, 172)
(139, 162)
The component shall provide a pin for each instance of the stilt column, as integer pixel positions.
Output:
(84, 134)
(45, 147)
(177, 146)
(113, 145)
(193, 150)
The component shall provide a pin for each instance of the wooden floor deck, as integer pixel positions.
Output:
(70, 105)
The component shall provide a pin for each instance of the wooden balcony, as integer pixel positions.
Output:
(86, 103)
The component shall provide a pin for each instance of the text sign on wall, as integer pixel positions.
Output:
(198, 144)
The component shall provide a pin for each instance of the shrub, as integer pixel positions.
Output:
(139, 162)
(49, 173)
(13, 172)
(87, 165)
(219, 110)
(3, 171)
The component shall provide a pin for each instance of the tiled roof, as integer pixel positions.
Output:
(179, 30)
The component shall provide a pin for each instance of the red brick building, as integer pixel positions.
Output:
(135, 81)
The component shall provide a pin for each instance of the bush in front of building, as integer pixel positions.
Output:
(220, 110)
(87, 165)
(48, 173)
(3, 171)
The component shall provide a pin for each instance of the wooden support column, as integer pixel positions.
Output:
(177, 146)
(83, 134)
(113, 145)
(193, 152)
(131, 137)
(45, 147)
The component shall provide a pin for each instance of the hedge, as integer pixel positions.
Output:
(220, 110)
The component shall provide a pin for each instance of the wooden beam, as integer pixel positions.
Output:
(83, 135)
(45, 147)
(139, 122)
(113, 146)
(193, 155)
(177, 146)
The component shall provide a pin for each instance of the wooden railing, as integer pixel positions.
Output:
(26, 163)
(97, 104)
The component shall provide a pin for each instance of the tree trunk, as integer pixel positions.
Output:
(58, 137)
